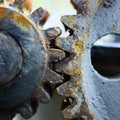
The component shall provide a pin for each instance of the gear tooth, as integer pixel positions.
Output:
(39, 16)
(25, 110)
(42, 95)
(52, 77)
(70, 21)
(22, 5)
(84, 6)
(56, 55)
(28, 5)
(74, 99)
(64, 90)
(66, 67)
(80, 5)
(53, 33)
(65, 43)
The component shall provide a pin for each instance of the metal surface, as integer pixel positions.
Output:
(50, 61)
(23, 88)
(94, 96)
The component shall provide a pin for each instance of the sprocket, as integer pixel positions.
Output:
(45, 62)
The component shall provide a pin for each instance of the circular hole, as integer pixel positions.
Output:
(105, 55)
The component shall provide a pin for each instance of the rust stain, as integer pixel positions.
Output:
(79, 47)
(68, 93)
(80, 6)
(11, 1)
(77, 83)
(2, 12)
(69, 19)
(114, 27)
(75, 71)
(19, 19)
(87, 32)
(28, 4)
(75, 26)
(100, 1)
(57, 42)
(46, 15)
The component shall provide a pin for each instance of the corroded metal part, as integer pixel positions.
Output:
(25, 110)
(89, 90)
(56, 55)
(41, 95)
(31, 44)
(80, 5)
(52, 77)
(21, 5)
(33, 78)
(66, 66)
(44, 66)
(80, 25)
(53, 33)
(39, 16)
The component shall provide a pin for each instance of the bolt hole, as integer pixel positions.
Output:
(105, 55)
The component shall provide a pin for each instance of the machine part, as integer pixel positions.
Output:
(26, 60)
(10, 57)
(93, 96)
(87, 93)
(80, 6)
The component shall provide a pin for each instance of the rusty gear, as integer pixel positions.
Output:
(46, 59)
(26, 58)
(88, 95)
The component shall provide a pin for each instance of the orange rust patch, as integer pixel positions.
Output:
(28, 4)
(77, 71)
(57, 41)
(45, 17)
(74, 72)
(11, 1)
(19, 19)
(79, 47)
(100, 1)
(2, 12)
(77, 83)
